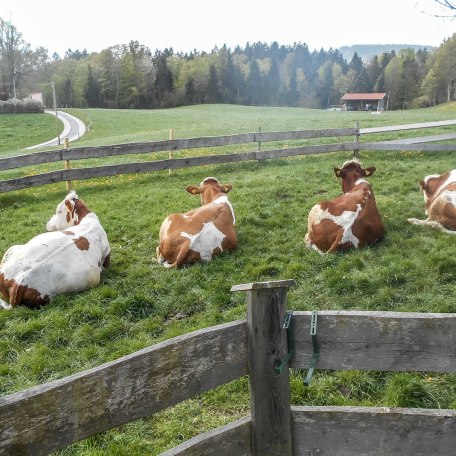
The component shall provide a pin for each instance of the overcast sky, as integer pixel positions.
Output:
(186, 25)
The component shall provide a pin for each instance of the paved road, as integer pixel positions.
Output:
(73, 129)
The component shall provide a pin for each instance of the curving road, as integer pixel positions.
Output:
(73, 129)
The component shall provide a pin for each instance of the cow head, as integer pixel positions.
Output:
(350, 172)
(209, 189)
(68, 213)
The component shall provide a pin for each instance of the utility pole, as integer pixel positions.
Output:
(55, 109)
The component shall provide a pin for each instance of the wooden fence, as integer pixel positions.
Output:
(67, 155)
(51, 416)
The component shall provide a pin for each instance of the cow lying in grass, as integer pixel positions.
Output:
(349, 221)
(68, 258)
(201, 233)
(439, 192)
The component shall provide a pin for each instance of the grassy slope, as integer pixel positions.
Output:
(139, 303)
(18, 131)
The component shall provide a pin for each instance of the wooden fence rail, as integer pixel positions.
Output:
(51, 416)
(67, 155)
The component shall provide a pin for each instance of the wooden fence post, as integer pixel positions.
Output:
(170, 152)
(66, 145)
(259, 144)
(357, 136)
(267, 346)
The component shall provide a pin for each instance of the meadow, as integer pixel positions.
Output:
(139, 303)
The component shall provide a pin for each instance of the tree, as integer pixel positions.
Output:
(213, 95)
(272, 84)
(429, 87)
(445, 69)
(13, 55)
(254, 84)
(227, 76)
(362, 81)
(190, 92)
(92, 92)
(164, 79)
(394, 83)
(445, 6)
(325, 84)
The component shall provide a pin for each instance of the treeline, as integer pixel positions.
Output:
(132, 76)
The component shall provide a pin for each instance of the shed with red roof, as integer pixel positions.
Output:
(364, 101)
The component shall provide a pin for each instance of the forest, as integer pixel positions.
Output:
(132, 76)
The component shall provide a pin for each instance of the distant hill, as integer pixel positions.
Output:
(367, 51)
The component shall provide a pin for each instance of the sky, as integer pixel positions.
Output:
(187, 25)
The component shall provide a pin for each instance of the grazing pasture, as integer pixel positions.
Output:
(139, 303)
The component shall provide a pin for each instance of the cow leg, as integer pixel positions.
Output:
(431, 224)
(160, 257)
(427, 222)
(181, 256)
(310, 245)
(5, 305)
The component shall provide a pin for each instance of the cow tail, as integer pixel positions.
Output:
(181, 255)
(336, 244)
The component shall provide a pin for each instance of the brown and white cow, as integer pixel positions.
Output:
(439, 192)
(201, 233)
(68, 258)
(351, 220)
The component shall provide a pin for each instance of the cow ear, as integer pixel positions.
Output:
(422, 185)
(338, 172)
(226, 188)
(369, 171)
(193, 189)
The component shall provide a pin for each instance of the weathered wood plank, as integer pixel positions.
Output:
(260, 285)
(411, 147)
(234, 439)
(156, 146)
(37, 158)
(382, 341)
(51, 416)
(368, 431)
(31, 181)
(304, 134)
(160, 165)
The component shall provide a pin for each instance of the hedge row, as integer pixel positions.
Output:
(16, 106)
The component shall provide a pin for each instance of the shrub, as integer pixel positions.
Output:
(16, 106)
(420, 102)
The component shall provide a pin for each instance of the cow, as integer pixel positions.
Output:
(349, 221)
(67, 258)
(439, 192)
(201, 233)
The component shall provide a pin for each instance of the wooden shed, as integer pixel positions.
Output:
(364, 101)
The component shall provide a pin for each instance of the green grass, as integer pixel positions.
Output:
(139, 303)
(124, 126)
(18, 131)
